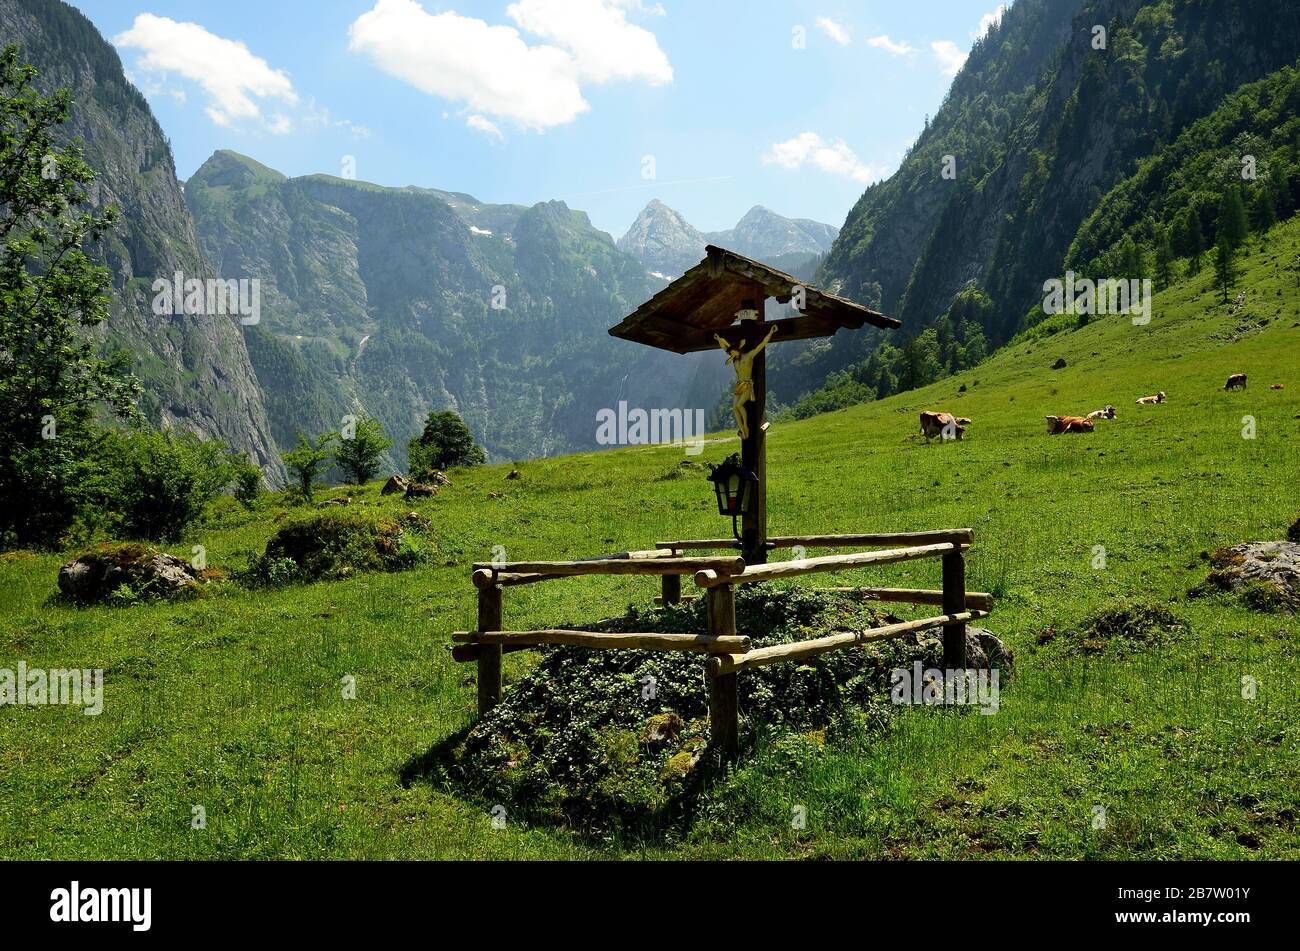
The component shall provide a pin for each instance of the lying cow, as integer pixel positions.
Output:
(1236, 382)
(1069, 424)
(1107, 413)
(1277, 386)
(1158, 398)
(943, 425)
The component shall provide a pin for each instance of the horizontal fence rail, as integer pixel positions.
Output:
(764, 656)
(708, 578)
(980, 600)
(614, 566)
(960, 536)
(738, 644)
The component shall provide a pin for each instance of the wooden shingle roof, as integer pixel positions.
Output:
(684, 316)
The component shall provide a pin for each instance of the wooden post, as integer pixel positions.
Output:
(672, 589)
(489, 658)
(724, 705)
(954, 602)
(753, 453)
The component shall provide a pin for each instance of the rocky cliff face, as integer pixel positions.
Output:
(196, 369)
(396, 301)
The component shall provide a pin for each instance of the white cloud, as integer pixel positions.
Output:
(604, 46)
(883, 42)
(950, 56)
(490, 68)
(810, 148)
(833, 30)
(234, 79)
(280, 124)
(494, 71)
(988, 19)
(486, 126)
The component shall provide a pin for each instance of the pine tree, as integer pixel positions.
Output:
(1164, 258)
(1225, 269)
(1232, 226)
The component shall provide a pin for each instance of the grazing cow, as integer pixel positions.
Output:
(1158, 398)
(1236, 382)
(943, 425)
(1107, 413)
(1277, 386)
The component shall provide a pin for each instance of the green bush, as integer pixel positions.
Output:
(154, 485)
(336, 545)
(247, 480)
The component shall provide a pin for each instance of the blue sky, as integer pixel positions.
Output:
(712, 107)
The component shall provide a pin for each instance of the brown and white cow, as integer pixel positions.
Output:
(1236, 382)
(1069, 424)
(943, 425)
(1277, 386)
(1107, 413)
(1158, 398)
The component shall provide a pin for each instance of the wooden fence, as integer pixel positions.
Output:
(728, 651)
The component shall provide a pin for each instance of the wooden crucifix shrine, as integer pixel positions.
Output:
(721, 300)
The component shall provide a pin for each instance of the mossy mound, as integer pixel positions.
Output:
(337, 544)
(126, 573)
(1123, 627)
(620, 738)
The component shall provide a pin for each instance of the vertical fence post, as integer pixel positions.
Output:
(954, 602)
(724, 702)
(489, 658)
(672, 589)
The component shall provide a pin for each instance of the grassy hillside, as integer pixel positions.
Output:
(233, 701)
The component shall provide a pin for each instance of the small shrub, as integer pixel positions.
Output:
(247, 480)
(334, 545)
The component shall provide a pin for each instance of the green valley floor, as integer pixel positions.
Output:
(232, 702)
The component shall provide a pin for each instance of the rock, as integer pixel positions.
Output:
(343, 501)
(394, 484)
(515, 474)
(420, 490)
(438, 477)
(1293, 533)
(984, 649)
(95, 574)
(1252, 564)
(1059, 364)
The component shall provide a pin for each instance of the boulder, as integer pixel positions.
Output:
(515, 474)
(1059, 364)
(1275, 564)
(420, 490)
(394, 484)
(96, 573)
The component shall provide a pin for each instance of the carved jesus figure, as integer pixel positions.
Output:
(743, 360)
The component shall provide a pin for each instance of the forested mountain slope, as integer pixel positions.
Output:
(1040, 124)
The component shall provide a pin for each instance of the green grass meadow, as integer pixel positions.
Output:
(233, 702)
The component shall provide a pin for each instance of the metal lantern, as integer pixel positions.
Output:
(734, 486)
